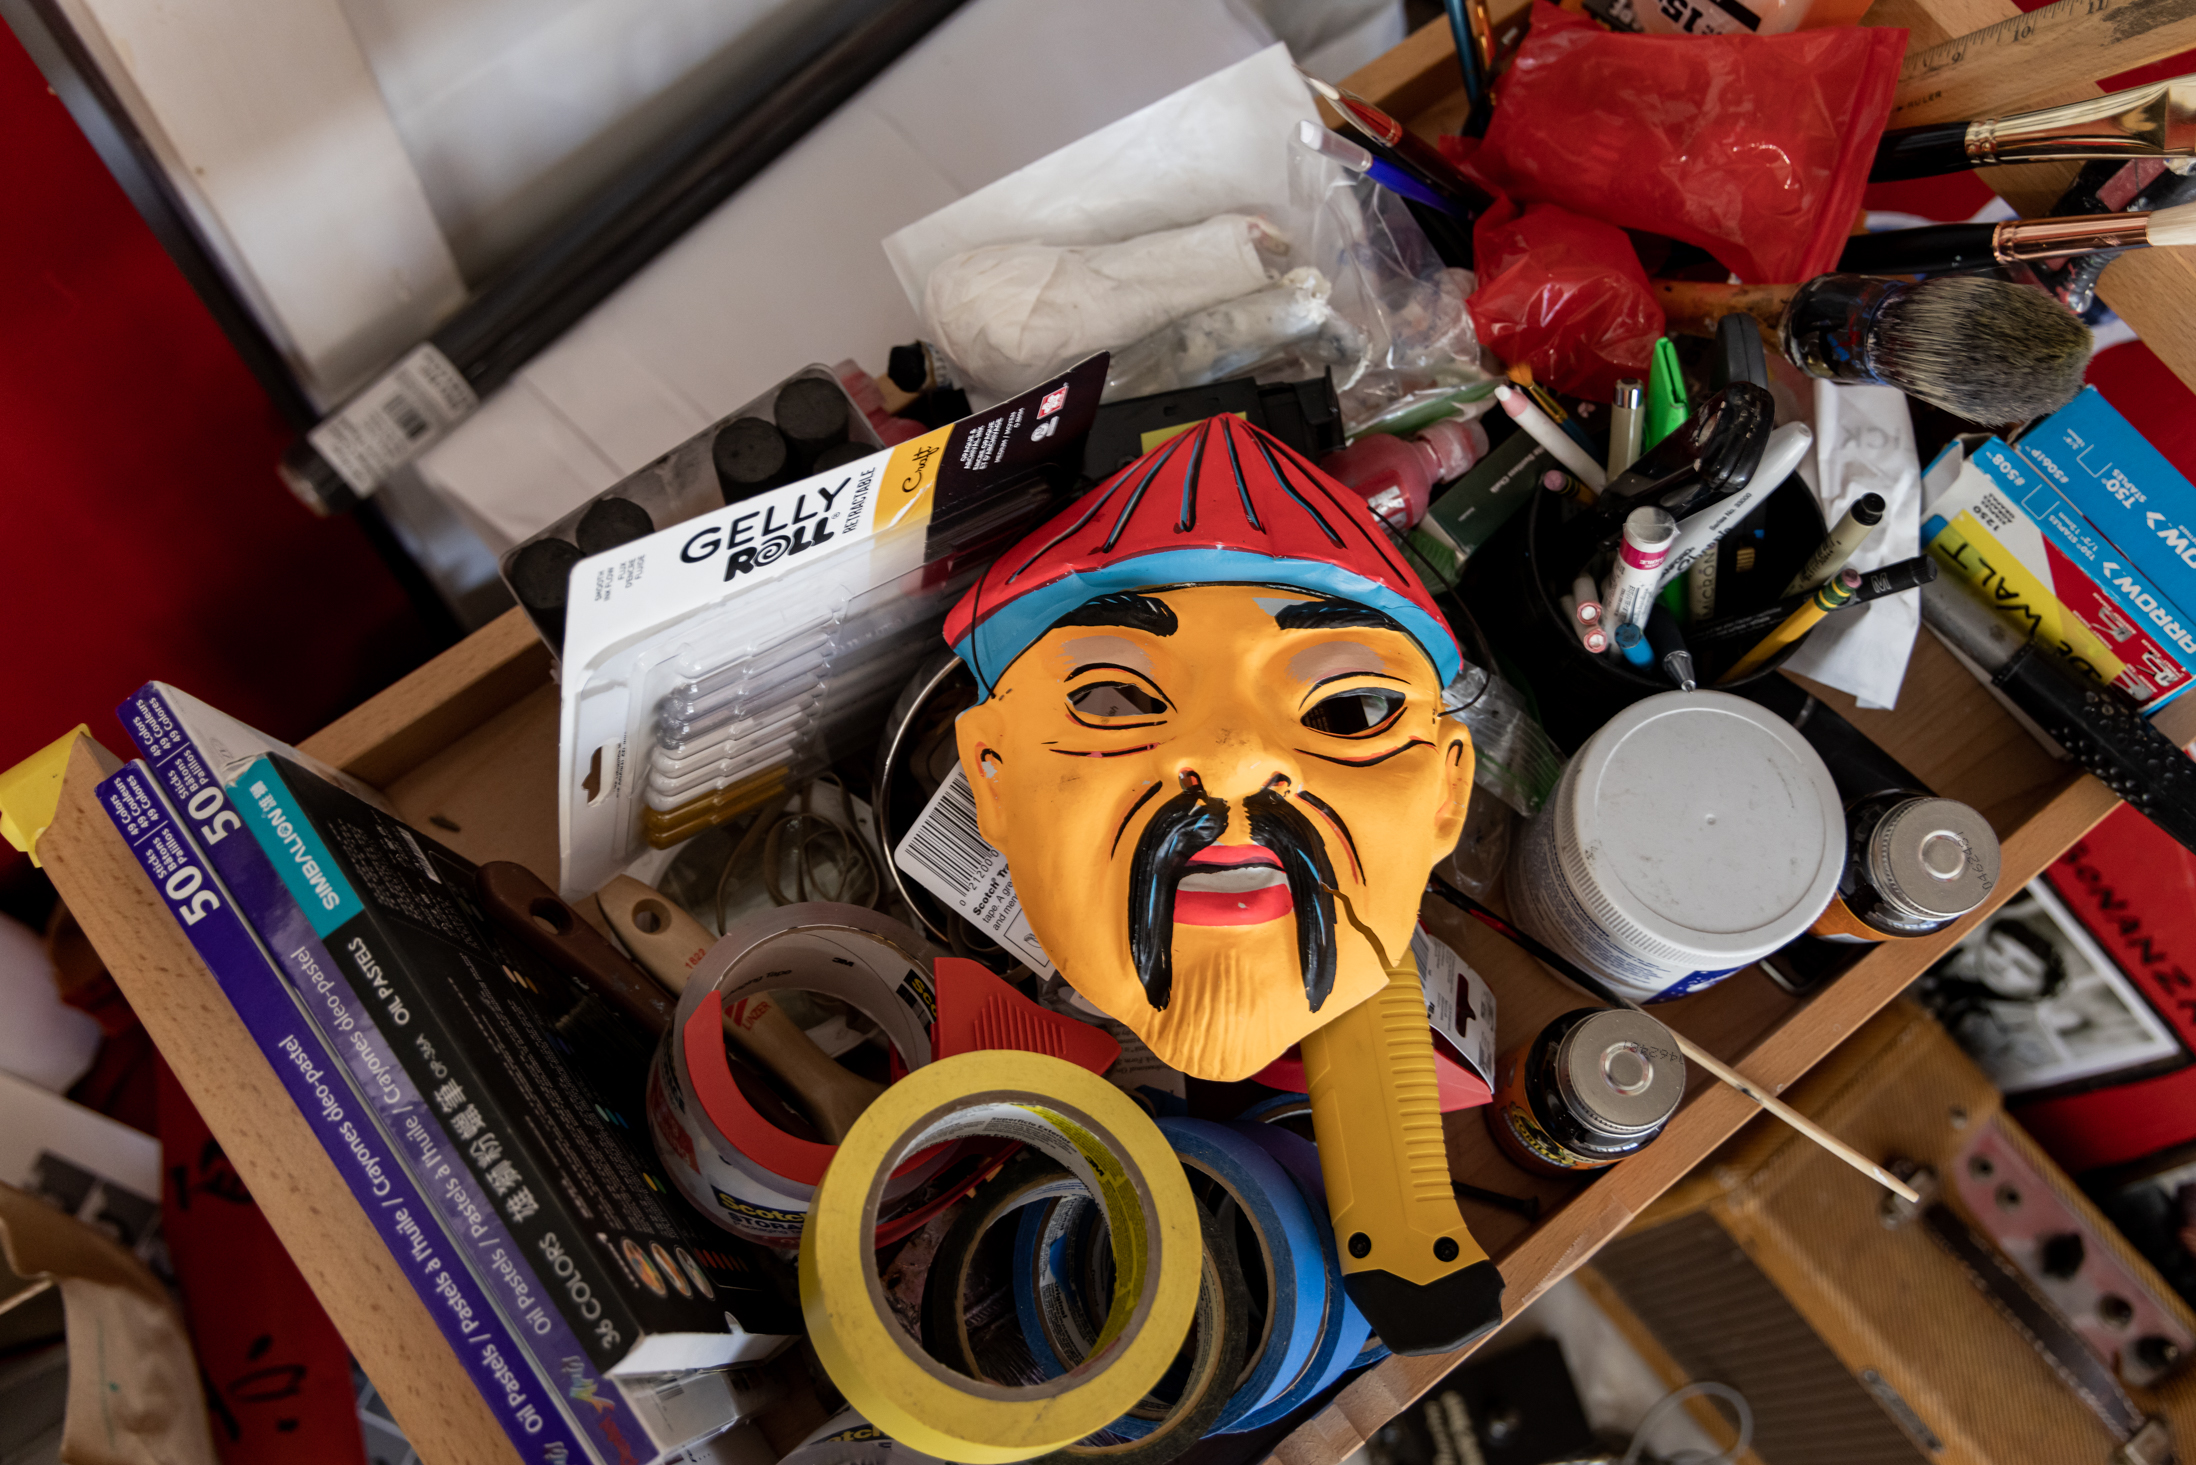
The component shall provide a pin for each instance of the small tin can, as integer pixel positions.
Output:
(1914, 864)
(1596, 1085)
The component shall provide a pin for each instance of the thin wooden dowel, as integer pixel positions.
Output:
(1694, 1053)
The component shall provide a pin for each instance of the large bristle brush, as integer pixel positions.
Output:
(1984, 350)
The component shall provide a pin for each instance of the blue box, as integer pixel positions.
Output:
(2123, 486)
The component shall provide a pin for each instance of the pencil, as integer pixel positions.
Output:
(1795, 625)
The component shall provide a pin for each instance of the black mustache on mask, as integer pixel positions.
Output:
(1182, 828)
(1179, 829)
(1277, 824)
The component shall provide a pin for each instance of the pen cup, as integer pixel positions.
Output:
(1515, 584)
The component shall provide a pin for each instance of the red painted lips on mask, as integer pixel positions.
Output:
(1232, 885)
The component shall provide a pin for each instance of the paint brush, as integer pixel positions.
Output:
(1473, 32)
(2154, 121)
(1937, 249)
(2141, 187)
(1984, 350)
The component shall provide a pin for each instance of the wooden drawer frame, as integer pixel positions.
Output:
(466, 748)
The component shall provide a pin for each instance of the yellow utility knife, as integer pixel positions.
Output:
(1408, 1260)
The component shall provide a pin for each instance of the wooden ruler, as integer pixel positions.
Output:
(2032, 60)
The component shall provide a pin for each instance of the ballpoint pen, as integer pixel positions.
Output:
(1407, 145)
(1362, 160)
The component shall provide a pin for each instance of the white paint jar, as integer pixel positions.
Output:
(1693, 834)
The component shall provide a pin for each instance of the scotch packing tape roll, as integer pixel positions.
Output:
(848, 1439)
(1100, 1136)
(726, 1158)
(1293, 1267)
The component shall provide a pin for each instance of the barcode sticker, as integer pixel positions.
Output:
(396, 419)
(1459, 1006)
(945, 851)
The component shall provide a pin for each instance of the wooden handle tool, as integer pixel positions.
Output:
(669, 943)
(1692, 307)
(531, 913)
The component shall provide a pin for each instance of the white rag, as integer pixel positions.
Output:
(1010, 315)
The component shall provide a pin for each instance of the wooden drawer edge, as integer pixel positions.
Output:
(296, 1185)
(394, 732)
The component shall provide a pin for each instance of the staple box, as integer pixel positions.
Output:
(2123, 486)
(2008, 532)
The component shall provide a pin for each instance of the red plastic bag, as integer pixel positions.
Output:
(1564, 295)
(1755, 148)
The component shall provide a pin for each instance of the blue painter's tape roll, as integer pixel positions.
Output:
(1273, 1175)
(1052, 1294)
(1051, 1298)
(1276, 1107)
(1036, 1271)
(1344, 1331)
(1269, 1112)
(1295, 1265)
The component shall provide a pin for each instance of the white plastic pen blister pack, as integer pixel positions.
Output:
(711, 667)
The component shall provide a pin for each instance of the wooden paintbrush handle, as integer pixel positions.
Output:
(833, 1097)
(664, 939)
(1694, 306)
(669, 944)
(1725, 1073)
(532, 914)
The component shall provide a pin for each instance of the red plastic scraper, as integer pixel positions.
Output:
(977, 1010)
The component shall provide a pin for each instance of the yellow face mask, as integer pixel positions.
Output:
(1220, 805)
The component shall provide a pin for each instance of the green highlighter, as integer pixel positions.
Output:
(1667, 406)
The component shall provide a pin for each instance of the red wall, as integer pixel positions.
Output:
(143, 533)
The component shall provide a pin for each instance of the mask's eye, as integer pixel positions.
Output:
(1355, 713)
(1115, 699)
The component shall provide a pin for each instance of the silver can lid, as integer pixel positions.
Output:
(1620, 1071)
(1933, 858)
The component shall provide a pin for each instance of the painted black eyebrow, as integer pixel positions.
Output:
(1127, 609)
(1142, 676)
(1334, 615)
(1343, 676)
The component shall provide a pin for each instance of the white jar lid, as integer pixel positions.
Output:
(1708, 823)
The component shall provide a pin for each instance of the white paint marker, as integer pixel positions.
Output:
(1545, 432)
(1700, 531)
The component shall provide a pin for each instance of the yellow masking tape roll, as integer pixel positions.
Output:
(1100, 1134)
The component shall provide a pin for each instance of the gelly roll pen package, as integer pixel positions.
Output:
(805, 425)
(711, 666)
